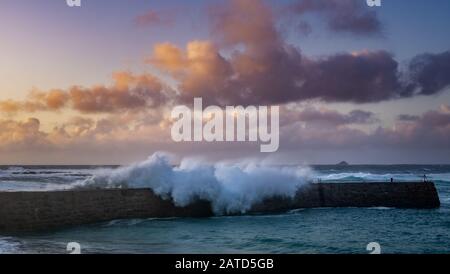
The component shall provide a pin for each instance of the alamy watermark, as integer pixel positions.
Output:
(74, 248)
(73, 3)
(77, 3)
(373, 3)
(374, 248)
(234, 124)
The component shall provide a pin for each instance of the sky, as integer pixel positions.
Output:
(95, 84)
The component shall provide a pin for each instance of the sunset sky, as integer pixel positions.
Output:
(96, 84)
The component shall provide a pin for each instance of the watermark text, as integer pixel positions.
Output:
(234, 124)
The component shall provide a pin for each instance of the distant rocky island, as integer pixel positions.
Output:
(343, 163)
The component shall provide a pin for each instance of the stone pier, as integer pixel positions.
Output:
(35, 211)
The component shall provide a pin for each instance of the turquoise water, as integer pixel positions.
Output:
(327, 230)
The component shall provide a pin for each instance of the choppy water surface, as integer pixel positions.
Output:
(330, 230)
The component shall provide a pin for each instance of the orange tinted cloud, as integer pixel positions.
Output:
(247, 22)
(168, 57)
(445, 109)
(261, 67)
(21, 133)
(200, 69)
(36, 101)
(128, 92)
(51, 100)
(10, 106)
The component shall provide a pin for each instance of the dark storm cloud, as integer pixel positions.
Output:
(329, 117)
(428, 130)
(360, 77)
(330, 129)
(342, 15)
(266, 69)
(261, 67)
(408, 117)
(429, 73)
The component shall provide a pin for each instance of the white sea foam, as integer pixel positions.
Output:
(229, 187)
(381, 208)
(374, 177)
(8, 245)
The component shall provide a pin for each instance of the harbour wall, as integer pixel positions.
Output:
(36, 211)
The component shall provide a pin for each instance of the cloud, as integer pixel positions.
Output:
(37, 101)
(309, 129)
(368, 76)
(264, 69)
(10, 106)
(247, 60)
(430, 130)
(247, 22)
(327, 117)
(128, 92)
(445, 109)
(323, 128)
(320, 135)
(21, 134)
(374, 76)
(408, 117)
(260, 68)
(327, 129)
(112, 127)
(155, 18)
(76, 127)
(200, 69)
(341, 15)
(429, 73)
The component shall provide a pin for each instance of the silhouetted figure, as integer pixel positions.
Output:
(392, 180)
(424, 178)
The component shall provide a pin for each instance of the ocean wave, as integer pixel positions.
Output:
(40, 179)
(231, 188)
(8, 245)
(15, 169)
(381, 208)
(367, 176)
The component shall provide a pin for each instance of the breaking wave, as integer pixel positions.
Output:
(231, 188)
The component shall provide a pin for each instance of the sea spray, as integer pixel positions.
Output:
(231, 188)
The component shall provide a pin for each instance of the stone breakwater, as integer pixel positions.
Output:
(35, 211)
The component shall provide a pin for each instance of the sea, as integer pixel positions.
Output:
(301, 231)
